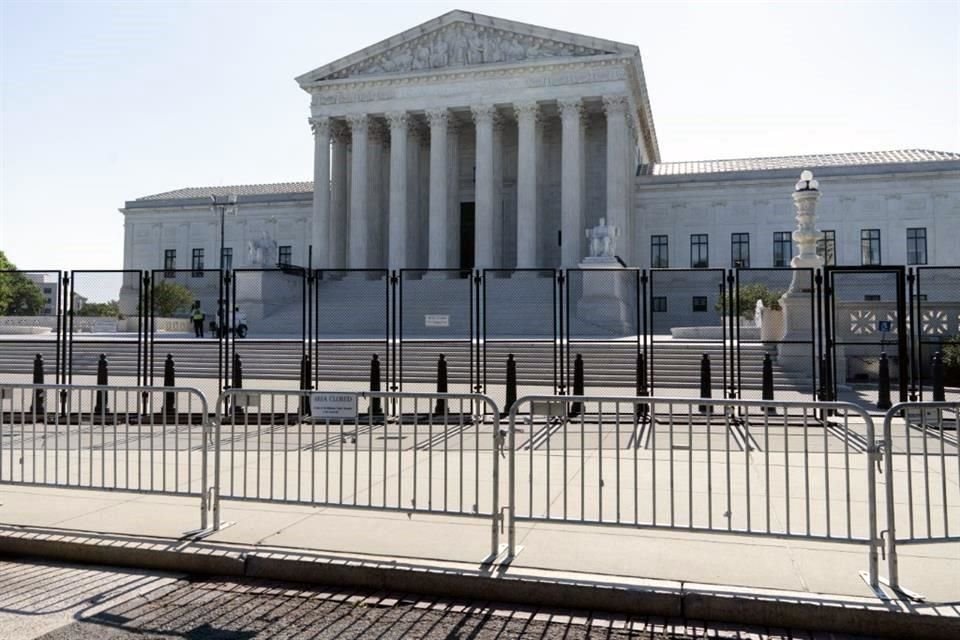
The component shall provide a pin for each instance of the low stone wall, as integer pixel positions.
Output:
(39, 325)
(747, 332)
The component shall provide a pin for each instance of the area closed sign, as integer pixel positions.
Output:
(436, 320)
(333, 406)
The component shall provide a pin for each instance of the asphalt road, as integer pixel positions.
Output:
(55, 601)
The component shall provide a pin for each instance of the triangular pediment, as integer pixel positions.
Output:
(462, 39)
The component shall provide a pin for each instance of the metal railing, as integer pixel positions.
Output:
(107, 438)
(409, 452)
(753, 467)
(922, 486)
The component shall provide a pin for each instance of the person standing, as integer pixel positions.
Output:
(197, 315)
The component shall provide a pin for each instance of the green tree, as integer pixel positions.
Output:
(18, 295)
(171, 298)
(748, 296)
(109, 309)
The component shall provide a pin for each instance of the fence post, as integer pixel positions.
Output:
(236, 382)
(883, 395)
(100, 407)
(304, 384)
(706, 390)
(642, 409)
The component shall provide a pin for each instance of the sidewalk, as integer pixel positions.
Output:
(731, 567)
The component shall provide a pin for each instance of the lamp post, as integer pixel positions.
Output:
(221, 206)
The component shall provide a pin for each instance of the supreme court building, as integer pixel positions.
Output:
(475, 142)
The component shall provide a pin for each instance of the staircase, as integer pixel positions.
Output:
(607, 364)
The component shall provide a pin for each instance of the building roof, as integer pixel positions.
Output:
(682, 170)
(192, 193)
(857, 159)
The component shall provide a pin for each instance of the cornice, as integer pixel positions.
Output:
(469, 74)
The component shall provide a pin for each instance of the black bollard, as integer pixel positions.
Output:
(576, 408)
(441, 406)
(376, 406)
(511, 396)
(100, 407)
(643, 409)
(767, 384)
(236, 382)
(939, 392)
(39, 396)
(169, 380)
(883, 396)
(305, 385)
(705, 385)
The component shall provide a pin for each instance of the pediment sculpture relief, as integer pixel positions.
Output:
(463, 45)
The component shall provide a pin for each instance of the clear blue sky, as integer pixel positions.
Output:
(105, 102)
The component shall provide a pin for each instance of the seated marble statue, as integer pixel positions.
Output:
(603, 239)
(261, 252)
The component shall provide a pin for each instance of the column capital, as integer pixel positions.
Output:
(339, 131)
(321, 126)
(483, 113)
(615, 105)
(398, 120)
(438, 117)
(378, 132)
(527, 111)
(359, 122)
(570, 107)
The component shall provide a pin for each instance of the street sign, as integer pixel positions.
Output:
(333, 406)
(884, 326)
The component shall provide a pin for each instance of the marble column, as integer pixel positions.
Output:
(358, 245)
(483, 116)
(527, 118)
(618, 190)
(437, 221)
(320, 225)
(338, 197)
(375, 219)
(398, 226)
(571, 176)
(453, 193)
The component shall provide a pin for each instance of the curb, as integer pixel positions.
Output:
(800, 611)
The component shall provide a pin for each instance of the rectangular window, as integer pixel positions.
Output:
(699, 251)
(782, 248)
(169, 263)
(871, 297)
(740, 250)
(285, 257)
(659, 304)
(917, 245)
(869, 246)
(226, 259)
(196, 263)
(699, 303)
(659, 252)
(827, 247)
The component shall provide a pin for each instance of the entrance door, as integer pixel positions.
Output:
(466, 234)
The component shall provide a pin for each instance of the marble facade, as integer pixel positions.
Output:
(472, 141)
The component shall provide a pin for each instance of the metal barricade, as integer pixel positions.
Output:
(922, 485)
(106, 438)
(783, 469)
(409, 452)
